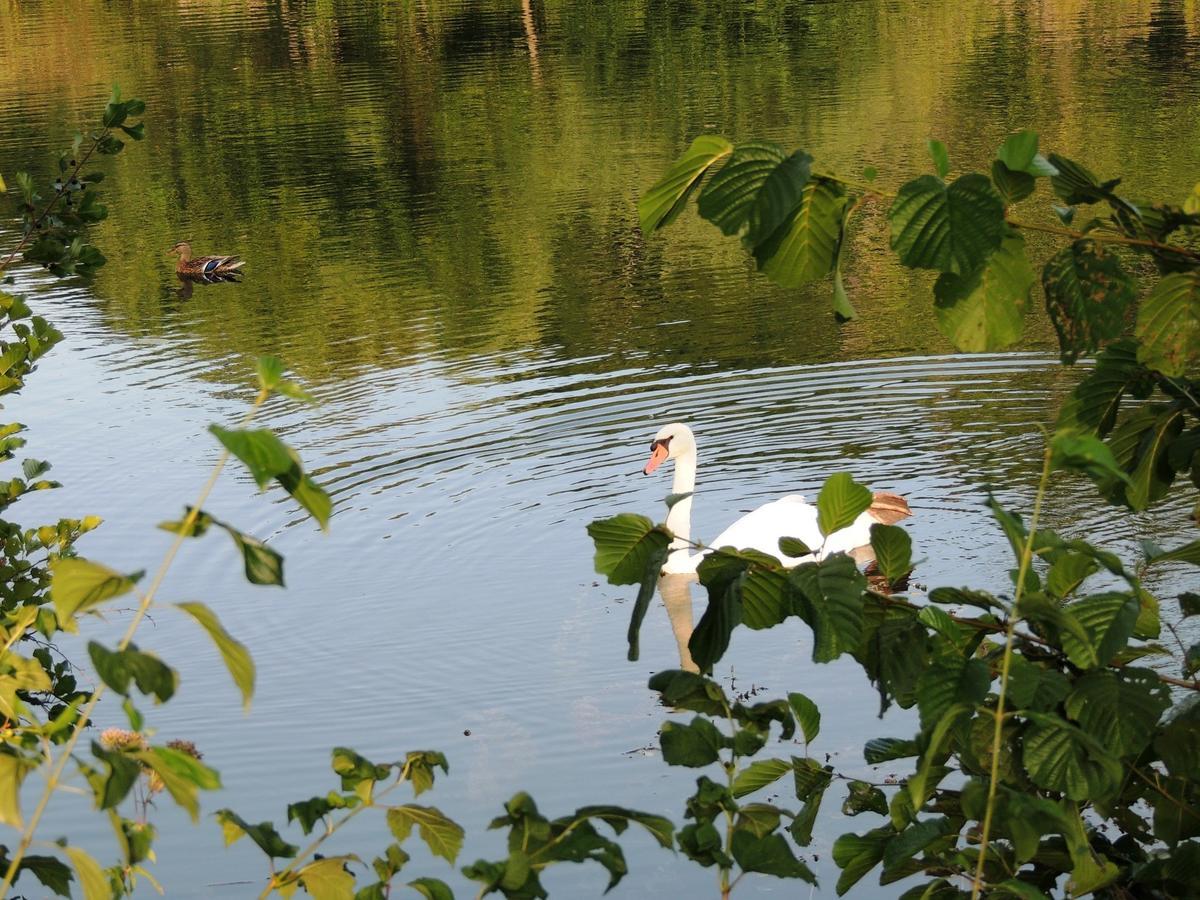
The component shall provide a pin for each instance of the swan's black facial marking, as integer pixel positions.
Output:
(665, 443)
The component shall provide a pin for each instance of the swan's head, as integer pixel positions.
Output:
(671, 442)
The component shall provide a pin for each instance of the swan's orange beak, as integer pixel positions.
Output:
(658, 455)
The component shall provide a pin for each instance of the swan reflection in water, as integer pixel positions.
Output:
(676, 593)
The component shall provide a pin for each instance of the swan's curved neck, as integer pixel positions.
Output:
(679, 518)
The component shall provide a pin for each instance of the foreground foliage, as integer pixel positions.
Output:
(1055, 750)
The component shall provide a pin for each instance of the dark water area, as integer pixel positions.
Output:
(437, 205)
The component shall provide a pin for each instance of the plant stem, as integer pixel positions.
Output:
(1022, 572)
(146, 600)
(1103, 238)
(33, 227)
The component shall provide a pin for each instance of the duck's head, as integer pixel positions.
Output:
(671, 442)
(182, 249)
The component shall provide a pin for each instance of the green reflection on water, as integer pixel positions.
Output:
(460, 178)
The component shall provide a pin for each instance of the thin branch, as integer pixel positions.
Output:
(997, 734)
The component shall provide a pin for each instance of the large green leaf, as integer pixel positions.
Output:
(759, 774)
(665, 200)
(117, 668)
(840, 502)
(1019, 152)
(1087, 294)
(765, 598)
(234, 827)
(1119, 710)
(263, 565)
(1094, 403)
(92, 879)
(1075, 183)
(912, 840)
(625, 544)
(1168, 324)
(893, 550)
(951, 228)
(1060, 757)
(79, 584)
(781, 194)
(687, 690)
(804, 248)
(807, 714)
(856, 855)
(1085, 453)
(694, 745)
(1153, 474)
(182, 775)
(948, 681)
(264, 454)
(731, 194)
(769, 854)
(14, 768)
(1034, 686)
(442, 835)
(828, 596)
(1106, 623)
(235, 655)
(327, 879)
(1013, 186)
(984, 309)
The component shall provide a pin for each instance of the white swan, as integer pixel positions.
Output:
(760, 529)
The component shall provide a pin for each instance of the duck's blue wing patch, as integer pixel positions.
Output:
(212, 264)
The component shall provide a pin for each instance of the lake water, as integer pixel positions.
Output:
(437, 203)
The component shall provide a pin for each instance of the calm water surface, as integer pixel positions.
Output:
(437, 203)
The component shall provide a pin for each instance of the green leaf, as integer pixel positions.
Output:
(892, 547)
(694, 745)
(182, 775)
(758, 188)
(1060, 757)
(1119, 710)
(432, 889)
(235, 655)
(1013, 186)
(809, 777)
(1075, 183)
(919, 782)
(78, 585)
(765, 598)
(794, 547)
(308, 494)
(804, 248)
(1168, 324)
(311, 811)
(91, 877)
(856, 855)
(950, 681)
(356, 770)
(687, 690)
(1033, 686)
(840, 502)
(1153, 475)
(123, 773)
(327, 878)
(1019, 152)
(13, 770)
(807, 714)
(270, 372)
(863, 797)
(1087, 294)
(1094, 404)
(665, 200)
(1084, 453)
(442, 835)
(263, 565)
(196, 527)
(984, 310)
(619, 817)
(264, 454)
(769, 855)
(912, 840)
(949, 228)
(233, 827)
(1107, 622)
(758, 818)
(881, 750)
(624, 545)
(118, 668)
(940, 157)
(49, 871)
(828, 596)
(759, 774)
(723, 576)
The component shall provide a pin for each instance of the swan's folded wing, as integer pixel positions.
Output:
(761, 529)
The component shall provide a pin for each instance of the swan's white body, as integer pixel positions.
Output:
(760, 529)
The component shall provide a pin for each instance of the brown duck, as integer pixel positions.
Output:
(209, 268)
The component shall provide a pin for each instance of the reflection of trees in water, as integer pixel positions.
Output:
(395, 172)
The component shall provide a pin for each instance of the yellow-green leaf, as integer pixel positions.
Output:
(78, 585)
(91, 876)
(237, 658)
